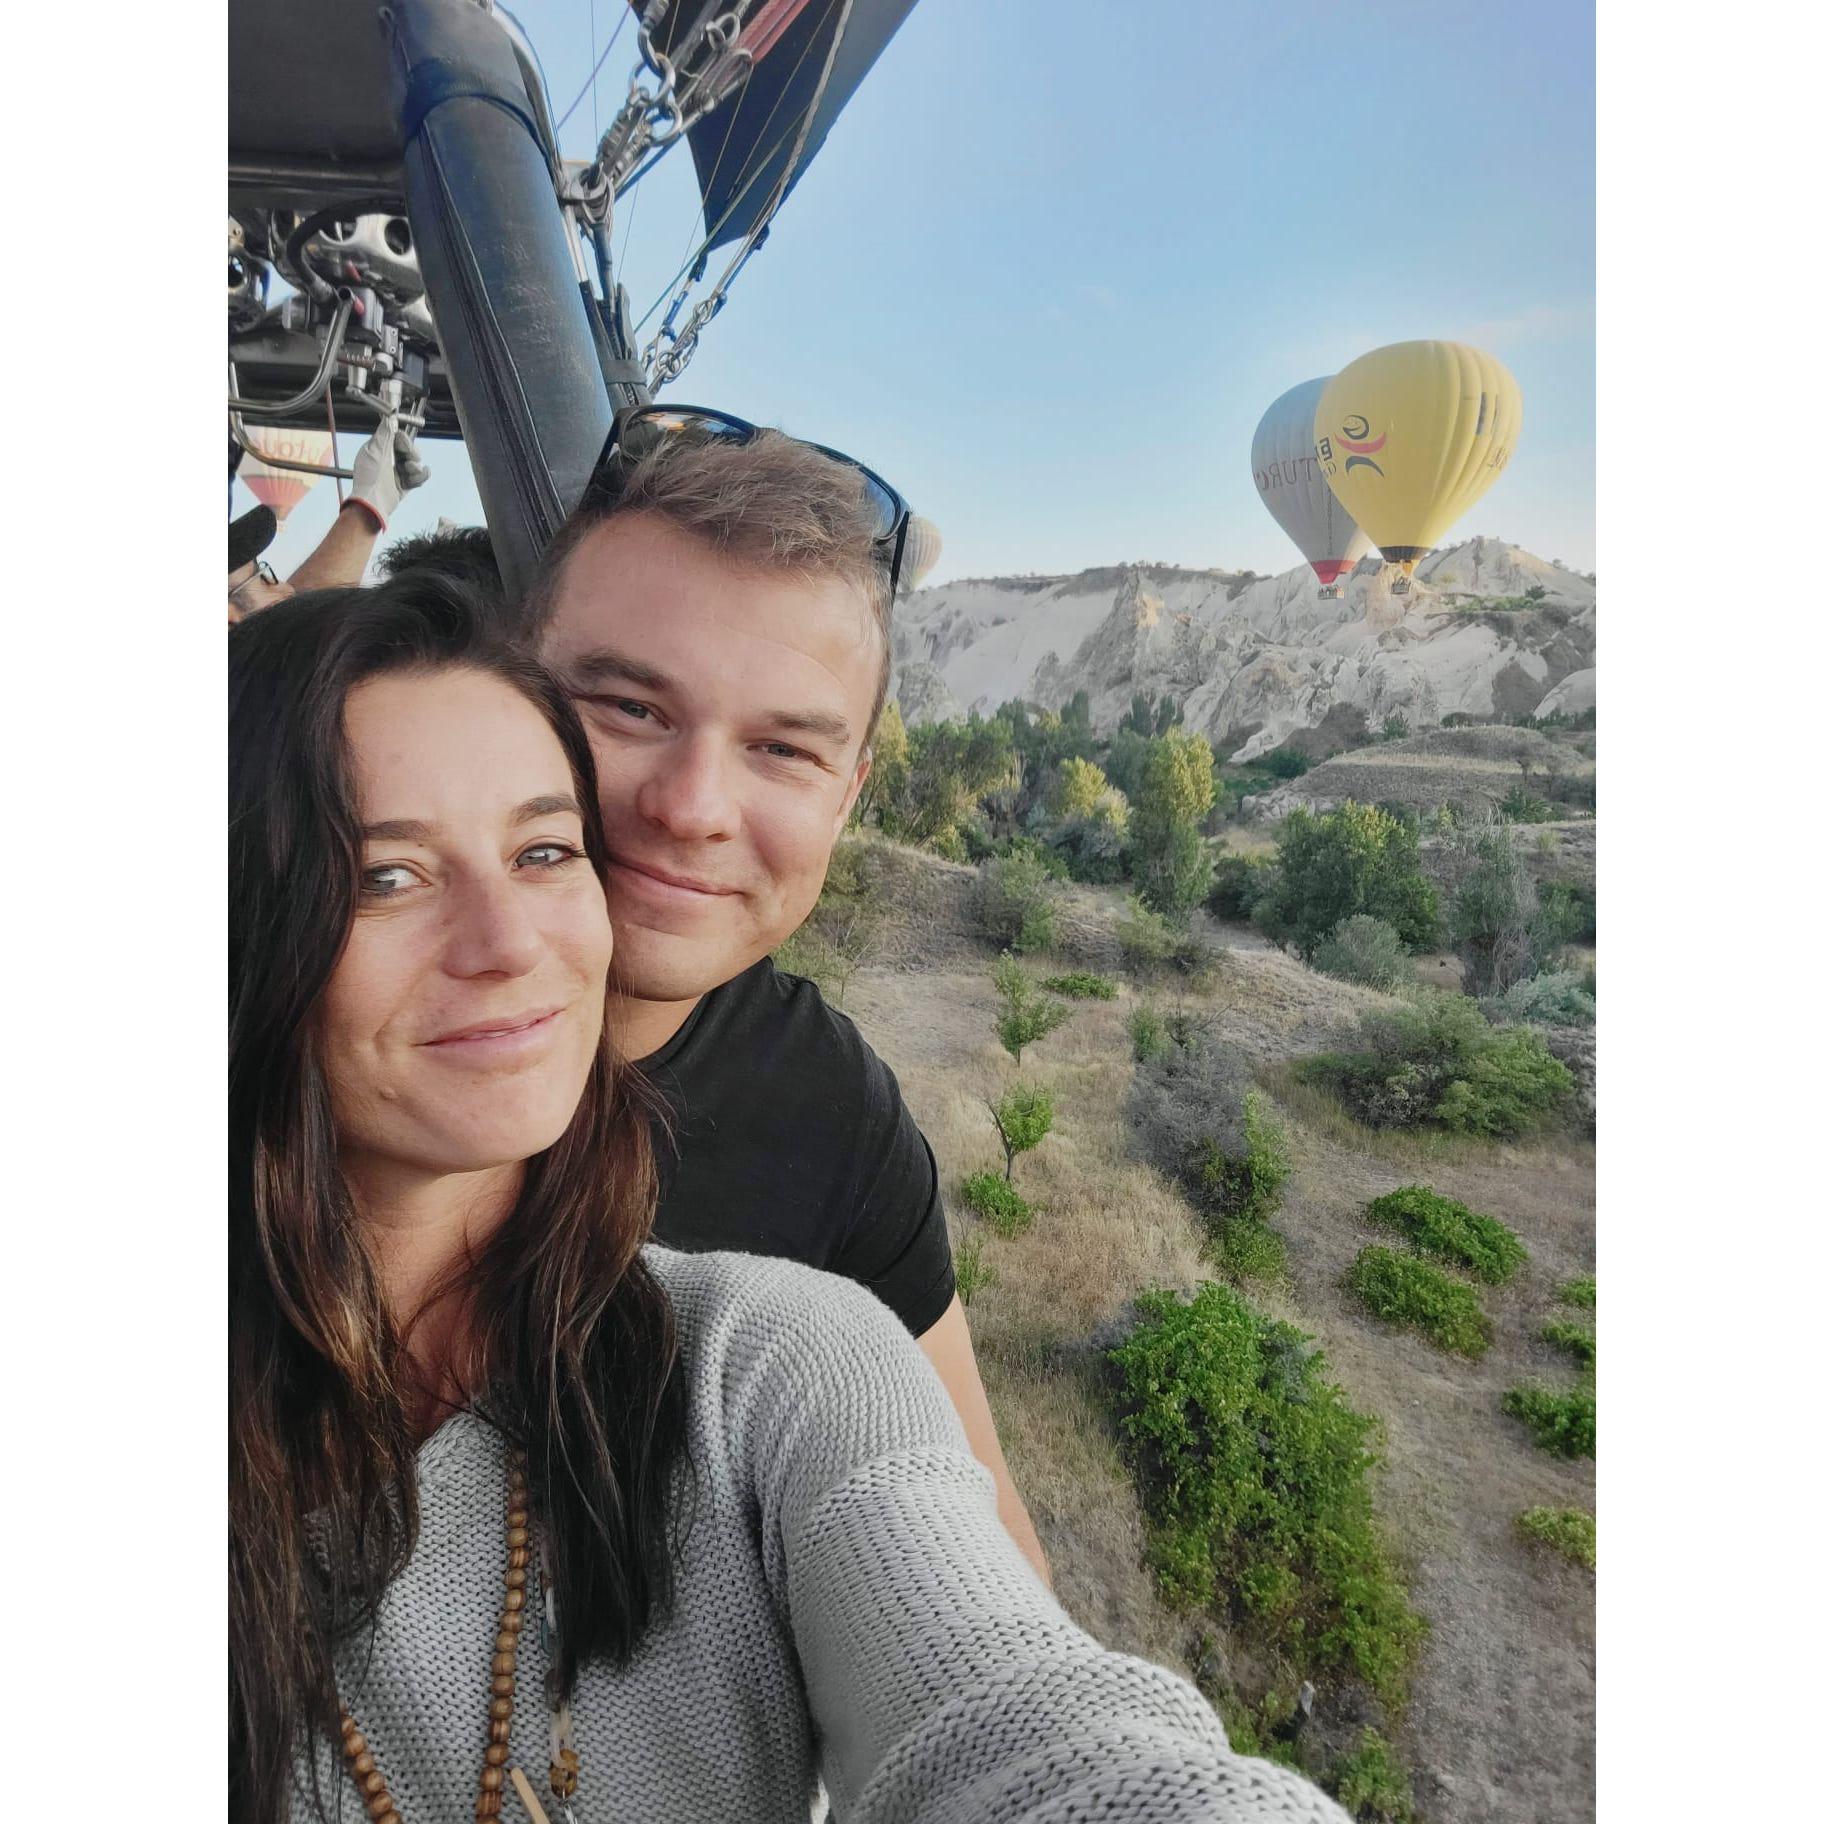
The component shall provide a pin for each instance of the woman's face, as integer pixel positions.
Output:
(461, 1023)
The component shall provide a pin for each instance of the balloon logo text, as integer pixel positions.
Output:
(1355, 438)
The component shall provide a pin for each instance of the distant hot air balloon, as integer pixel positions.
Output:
(1293, 488)
(1411, 436)
(282, 489)
(924, 546)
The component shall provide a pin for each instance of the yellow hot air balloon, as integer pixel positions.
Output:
(282, 489)
(1410, 437)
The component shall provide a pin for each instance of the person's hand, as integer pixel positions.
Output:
(387, 468)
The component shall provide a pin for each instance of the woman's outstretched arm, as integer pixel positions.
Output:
(946, 1682)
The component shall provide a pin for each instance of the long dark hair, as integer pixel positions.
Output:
(570, 1339)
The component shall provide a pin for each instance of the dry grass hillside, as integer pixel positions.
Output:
(1471, 768)
(1500, 1726)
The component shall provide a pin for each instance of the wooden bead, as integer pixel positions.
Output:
(516, 1578)
(487, 1805)
(517, 1518)
(388, 1817)
(353, 1741)
(502, 1685)
(492, 1779)
(363, 1764)
(503, 1663)
(496, 1754)
(500, 1709)
(568, 1758)
(500, 1730)
(512, 1622)
(348, 1723)
(516, 1599)
(516, 1538)
(380, 1803)
(374, 1783)
(516, 1559)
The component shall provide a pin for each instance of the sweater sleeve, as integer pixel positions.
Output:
(947, 1685)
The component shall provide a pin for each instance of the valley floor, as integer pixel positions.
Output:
(1500, 1729)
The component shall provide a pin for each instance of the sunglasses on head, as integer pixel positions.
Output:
(641, 429)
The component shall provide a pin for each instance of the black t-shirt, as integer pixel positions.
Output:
(791, 1139)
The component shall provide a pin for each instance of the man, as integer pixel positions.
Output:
(718, 611)
(387, 468)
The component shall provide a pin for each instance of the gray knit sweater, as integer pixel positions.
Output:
(848, 1605)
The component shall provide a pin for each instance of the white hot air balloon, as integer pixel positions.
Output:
(924, 546)
(1293, 487)
(282, 489)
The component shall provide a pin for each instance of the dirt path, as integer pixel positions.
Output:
(1500, 1729)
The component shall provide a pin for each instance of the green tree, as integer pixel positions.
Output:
(1128, 755)
(1172, 862)
(1081, 786)
(1495, 919)
(950, 766)
(1026, 1016)
(1076, 713)
(1022, 1118)
(1355, 859)
(890, 750)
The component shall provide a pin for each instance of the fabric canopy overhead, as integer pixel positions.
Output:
(743, 147)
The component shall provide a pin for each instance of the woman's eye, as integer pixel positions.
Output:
(640, 712)
(386, 882)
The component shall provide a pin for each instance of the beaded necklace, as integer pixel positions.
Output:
(370, 1782)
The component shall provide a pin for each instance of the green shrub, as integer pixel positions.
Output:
(1395, 728)
(1558, 999)
(1285, 762)
(1150, 946)
(1520, 806)
(1570, 910)
(1147, 1030)
(1366, 950)
(1408, 1292)
(1448, 1230)
(1015, 900)
(998, 1204)
(1249, 1250)
(1237, 885)
(1439, 1063)
(1580, 1291)
(1371, 1782)
(973, 1273)
(1245, 1185)
(1022, 1118)
(1081, 985)
(1576, 1340)
(1025, 1015)
(1508, 1087)
(1254, 1470)
(1355, 859)
(1569, 1531)
(1563, 1423)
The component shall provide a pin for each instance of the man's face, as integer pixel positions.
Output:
(727, 709)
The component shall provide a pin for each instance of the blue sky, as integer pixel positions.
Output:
(1056, 259)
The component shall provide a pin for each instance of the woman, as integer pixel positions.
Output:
(729, 1494)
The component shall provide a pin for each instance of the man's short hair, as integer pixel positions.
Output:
(771, 503)
(464, 552)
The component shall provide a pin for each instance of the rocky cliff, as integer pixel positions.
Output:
(1254, 660)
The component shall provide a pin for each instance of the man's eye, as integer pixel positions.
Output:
(639, 711)
(387, 882)
(549, 855)
(780, 751)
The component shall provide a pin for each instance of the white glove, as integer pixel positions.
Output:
(387, 468)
